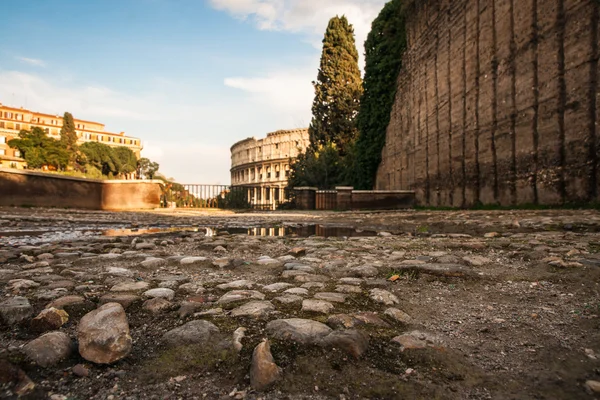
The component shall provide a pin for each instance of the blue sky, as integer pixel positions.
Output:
(188, 77)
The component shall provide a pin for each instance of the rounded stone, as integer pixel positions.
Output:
(130, 287)
(103, 334)
(254, 309)
(194, 332)
(263, 371)
(163, 293)
(320, 306)
(49, 319)
(305, 331)
(49, 349)
(15, 310)
(384, 297)
(351, 341)
(237, 295)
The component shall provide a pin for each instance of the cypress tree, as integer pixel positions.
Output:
(337, 90)
(68, 138)
(384, 47)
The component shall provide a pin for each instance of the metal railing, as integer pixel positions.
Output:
(223, 196)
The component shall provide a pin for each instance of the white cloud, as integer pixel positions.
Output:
(309, 17)
(288, 89)
(35, 92)
(32, 61)
(288, 92)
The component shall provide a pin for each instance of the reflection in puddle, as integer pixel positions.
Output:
(45, 236)
(144, 231)
(302, 231)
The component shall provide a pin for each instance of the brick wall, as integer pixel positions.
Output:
(497, 103)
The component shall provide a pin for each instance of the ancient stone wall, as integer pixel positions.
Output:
(263, 165)
(497, 103)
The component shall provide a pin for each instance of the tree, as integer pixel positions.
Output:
(126, 158)
(323, 168)
(337, 90)
(39, 150)
(146, 168)
(68, 138)
(384, 47)
(101, 157)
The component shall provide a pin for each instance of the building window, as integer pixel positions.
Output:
(1, 124)
(276, 145)
(2, 139)
(268, 194)
(2, 152)
(47, 130)
(277, 174)
(17, 153)
(18, 127)
(99, 138)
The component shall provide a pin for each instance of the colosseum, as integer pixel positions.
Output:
(262, 166)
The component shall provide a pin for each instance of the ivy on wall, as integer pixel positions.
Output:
(384, 48)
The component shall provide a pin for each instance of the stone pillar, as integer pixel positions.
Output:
(344, 197)
(306, 198)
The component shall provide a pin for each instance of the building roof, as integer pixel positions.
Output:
(46, 114)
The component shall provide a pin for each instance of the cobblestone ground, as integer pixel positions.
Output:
(408, 305)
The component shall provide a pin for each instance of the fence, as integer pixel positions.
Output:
(326, 199)
(223, 196)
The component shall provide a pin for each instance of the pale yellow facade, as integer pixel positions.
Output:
(13, 120)
(263, 165)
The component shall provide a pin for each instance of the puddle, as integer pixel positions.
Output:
(145, 231)
(21, 237)
(303, 231)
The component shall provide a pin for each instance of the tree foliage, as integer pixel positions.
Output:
(68, 139)
(323, 168)
(127, 159)
(39, 150)
(337, 89)
(332, 130)
(110, 161)
(101, 157)
(384, 47)
(146, 168)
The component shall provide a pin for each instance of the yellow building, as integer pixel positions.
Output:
(13, 120)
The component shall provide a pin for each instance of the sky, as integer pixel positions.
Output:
(188, 77)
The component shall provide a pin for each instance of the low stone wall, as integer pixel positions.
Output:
(382, 199)
(25, 188)
(348, 199)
